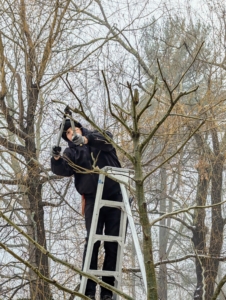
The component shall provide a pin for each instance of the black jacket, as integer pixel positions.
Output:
(77, 159)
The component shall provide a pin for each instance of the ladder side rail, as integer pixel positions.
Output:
(120, 250)
(95, 217)
(134, 235)
(122, 234)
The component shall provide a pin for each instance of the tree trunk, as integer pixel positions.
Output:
(208, 270)
(199, 232)
(216, 237)
(42, 290)
(163, 238)
(146, 229)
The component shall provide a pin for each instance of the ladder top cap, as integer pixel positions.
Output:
(117, 170)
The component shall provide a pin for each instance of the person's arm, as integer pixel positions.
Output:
(60, 166)
(97, 140)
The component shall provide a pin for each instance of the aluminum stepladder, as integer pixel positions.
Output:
(123, 176)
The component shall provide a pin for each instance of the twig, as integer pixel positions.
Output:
(40, 275)
(100, 130)
(149, 100)
(159, 166)
(166, 84)
(109, 105)
(188, 67)
(166, 115)
(179, 211)
(54, 258)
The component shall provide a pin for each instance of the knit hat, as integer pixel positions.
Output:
(67, 125)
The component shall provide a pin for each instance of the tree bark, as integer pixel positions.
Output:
(163, 238)
(216, 236)
(146, 228)
(207, 269)
(199, 232)
(40, 290)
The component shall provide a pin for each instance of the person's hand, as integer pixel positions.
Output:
(78, 139)
(56, 152)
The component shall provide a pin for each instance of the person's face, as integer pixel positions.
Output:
(70, 133)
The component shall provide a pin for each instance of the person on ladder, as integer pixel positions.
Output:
(84, 148)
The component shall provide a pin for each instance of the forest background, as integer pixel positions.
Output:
(153, 73)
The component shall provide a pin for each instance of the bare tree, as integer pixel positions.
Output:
(159, 131)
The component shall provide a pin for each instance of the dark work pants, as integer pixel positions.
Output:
(109, 223)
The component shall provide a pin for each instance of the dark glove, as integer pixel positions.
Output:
(78, 139)
(56, 151)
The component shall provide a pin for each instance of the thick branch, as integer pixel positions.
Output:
(176, 212)
(3, 87)
(179, 220)
(12, 147)
(171, 261)
(40, 275)
(54, 258)
(12, 182)
(219, 287)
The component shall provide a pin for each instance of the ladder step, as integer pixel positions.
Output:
(107, 238)
(110, 203)
(104, 273)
